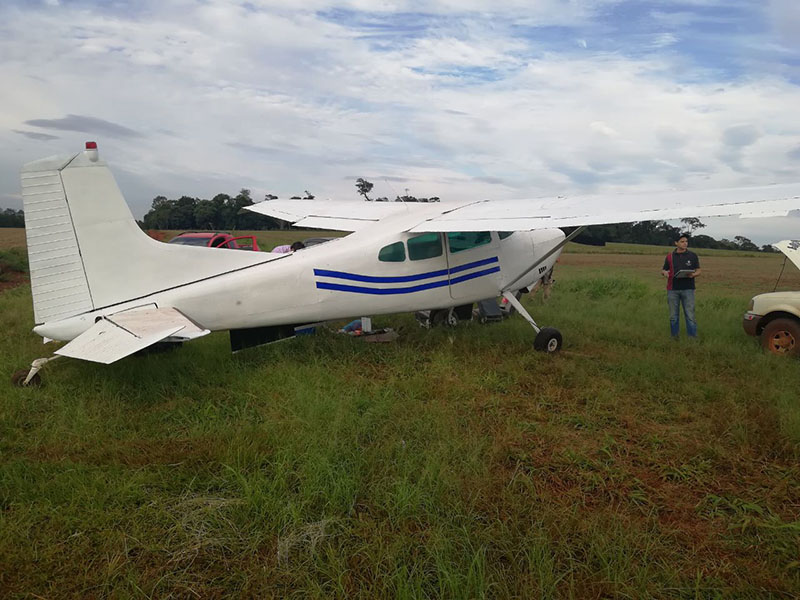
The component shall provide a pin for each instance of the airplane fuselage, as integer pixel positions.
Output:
(375, 271)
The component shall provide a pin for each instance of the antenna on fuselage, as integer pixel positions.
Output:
(386, 180)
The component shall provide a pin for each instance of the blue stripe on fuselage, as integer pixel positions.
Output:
(357, 289)
(370, 279)
(403, 278)
(469, 276)
(324, 285)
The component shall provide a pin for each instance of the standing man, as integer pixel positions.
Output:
(681, 267)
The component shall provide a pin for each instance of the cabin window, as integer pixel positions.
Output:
(427, 245)
(466, 240)
(504, 234)
(393, 253)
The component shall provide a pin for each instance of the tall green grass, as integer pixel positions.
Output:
(449, 464)
(12, 260)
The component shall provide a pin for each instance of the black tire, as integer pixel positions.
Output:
(463, 312)
(548, 340)
(18, 378)
(782, 337)
(438, 317)
(444, 317)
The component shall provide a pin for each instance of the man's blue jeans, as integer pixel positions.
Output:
(674, 299)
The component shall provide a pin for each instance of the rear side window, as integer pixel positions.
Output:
(466, 240)
(504, 234)
(393, 253)
(427, 245)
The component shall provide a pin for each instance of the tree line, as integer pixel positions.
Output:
(364, 187)
(12, 218)
(225, 212)
(222, 212)
(661, 233)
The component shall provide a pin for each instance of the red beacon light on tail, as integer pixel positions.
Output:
(91, 148)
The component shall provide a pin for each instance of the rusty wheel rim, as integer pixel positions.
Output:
(782, 342)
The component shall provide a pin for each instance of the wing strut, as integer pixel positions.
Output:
(521, 309)
(548, 339)
(547, 255)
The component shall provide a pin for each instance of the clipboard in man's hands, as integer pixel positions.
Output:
(683, 273)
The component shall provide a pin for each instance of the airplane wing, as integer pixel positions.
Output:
(542, 213)
(329, 214)
(120, 335)
(599, 209)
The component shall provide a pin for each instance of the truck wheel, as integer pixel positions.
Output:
(782, 336)
(548, 340)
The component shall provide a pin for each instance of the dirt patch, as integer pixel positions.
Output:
(12, 279)
(12, 237)
(135, 453)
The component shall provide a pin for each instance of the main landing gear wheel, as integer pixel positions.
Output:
(548, 340)
(445, 316)
(782, 336)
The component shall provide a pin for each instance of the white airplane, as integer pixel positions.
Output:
(110, 290)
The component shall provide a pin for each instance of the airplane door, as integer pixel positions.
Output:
(473, 264)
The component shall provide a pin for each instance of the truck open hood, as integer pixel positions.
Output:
(791, 248)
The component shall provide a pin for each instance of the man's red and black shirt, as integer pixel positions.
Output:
(679, 261)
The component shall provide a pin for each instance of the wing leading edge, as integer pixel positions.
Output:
(542, 213)
(599, 209)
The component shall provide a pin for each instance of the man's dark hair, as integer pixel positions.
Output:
(297, 246)
(681, 235)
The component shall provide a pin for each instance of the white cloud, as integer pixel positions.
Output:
(785, 18)
(458, 99)
(662, 40)
(603, 129)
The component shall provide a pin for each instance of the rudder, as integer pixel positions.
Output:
(58, 280)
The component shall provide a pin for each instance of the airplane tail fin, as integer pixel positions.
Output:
(85, 250)
(59, 283)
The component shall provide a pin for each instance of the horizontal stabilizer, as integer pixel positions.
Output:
(120, 335)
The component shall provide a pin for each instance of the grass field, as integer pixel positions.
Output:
(449, 464)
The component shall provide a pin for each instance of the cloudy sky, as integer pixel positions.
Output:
(460, 99)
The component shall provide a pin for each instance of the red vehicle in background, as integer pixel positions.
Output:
(216, 239)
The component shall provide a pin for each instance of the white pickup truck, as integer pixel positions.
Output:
(775, 317)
